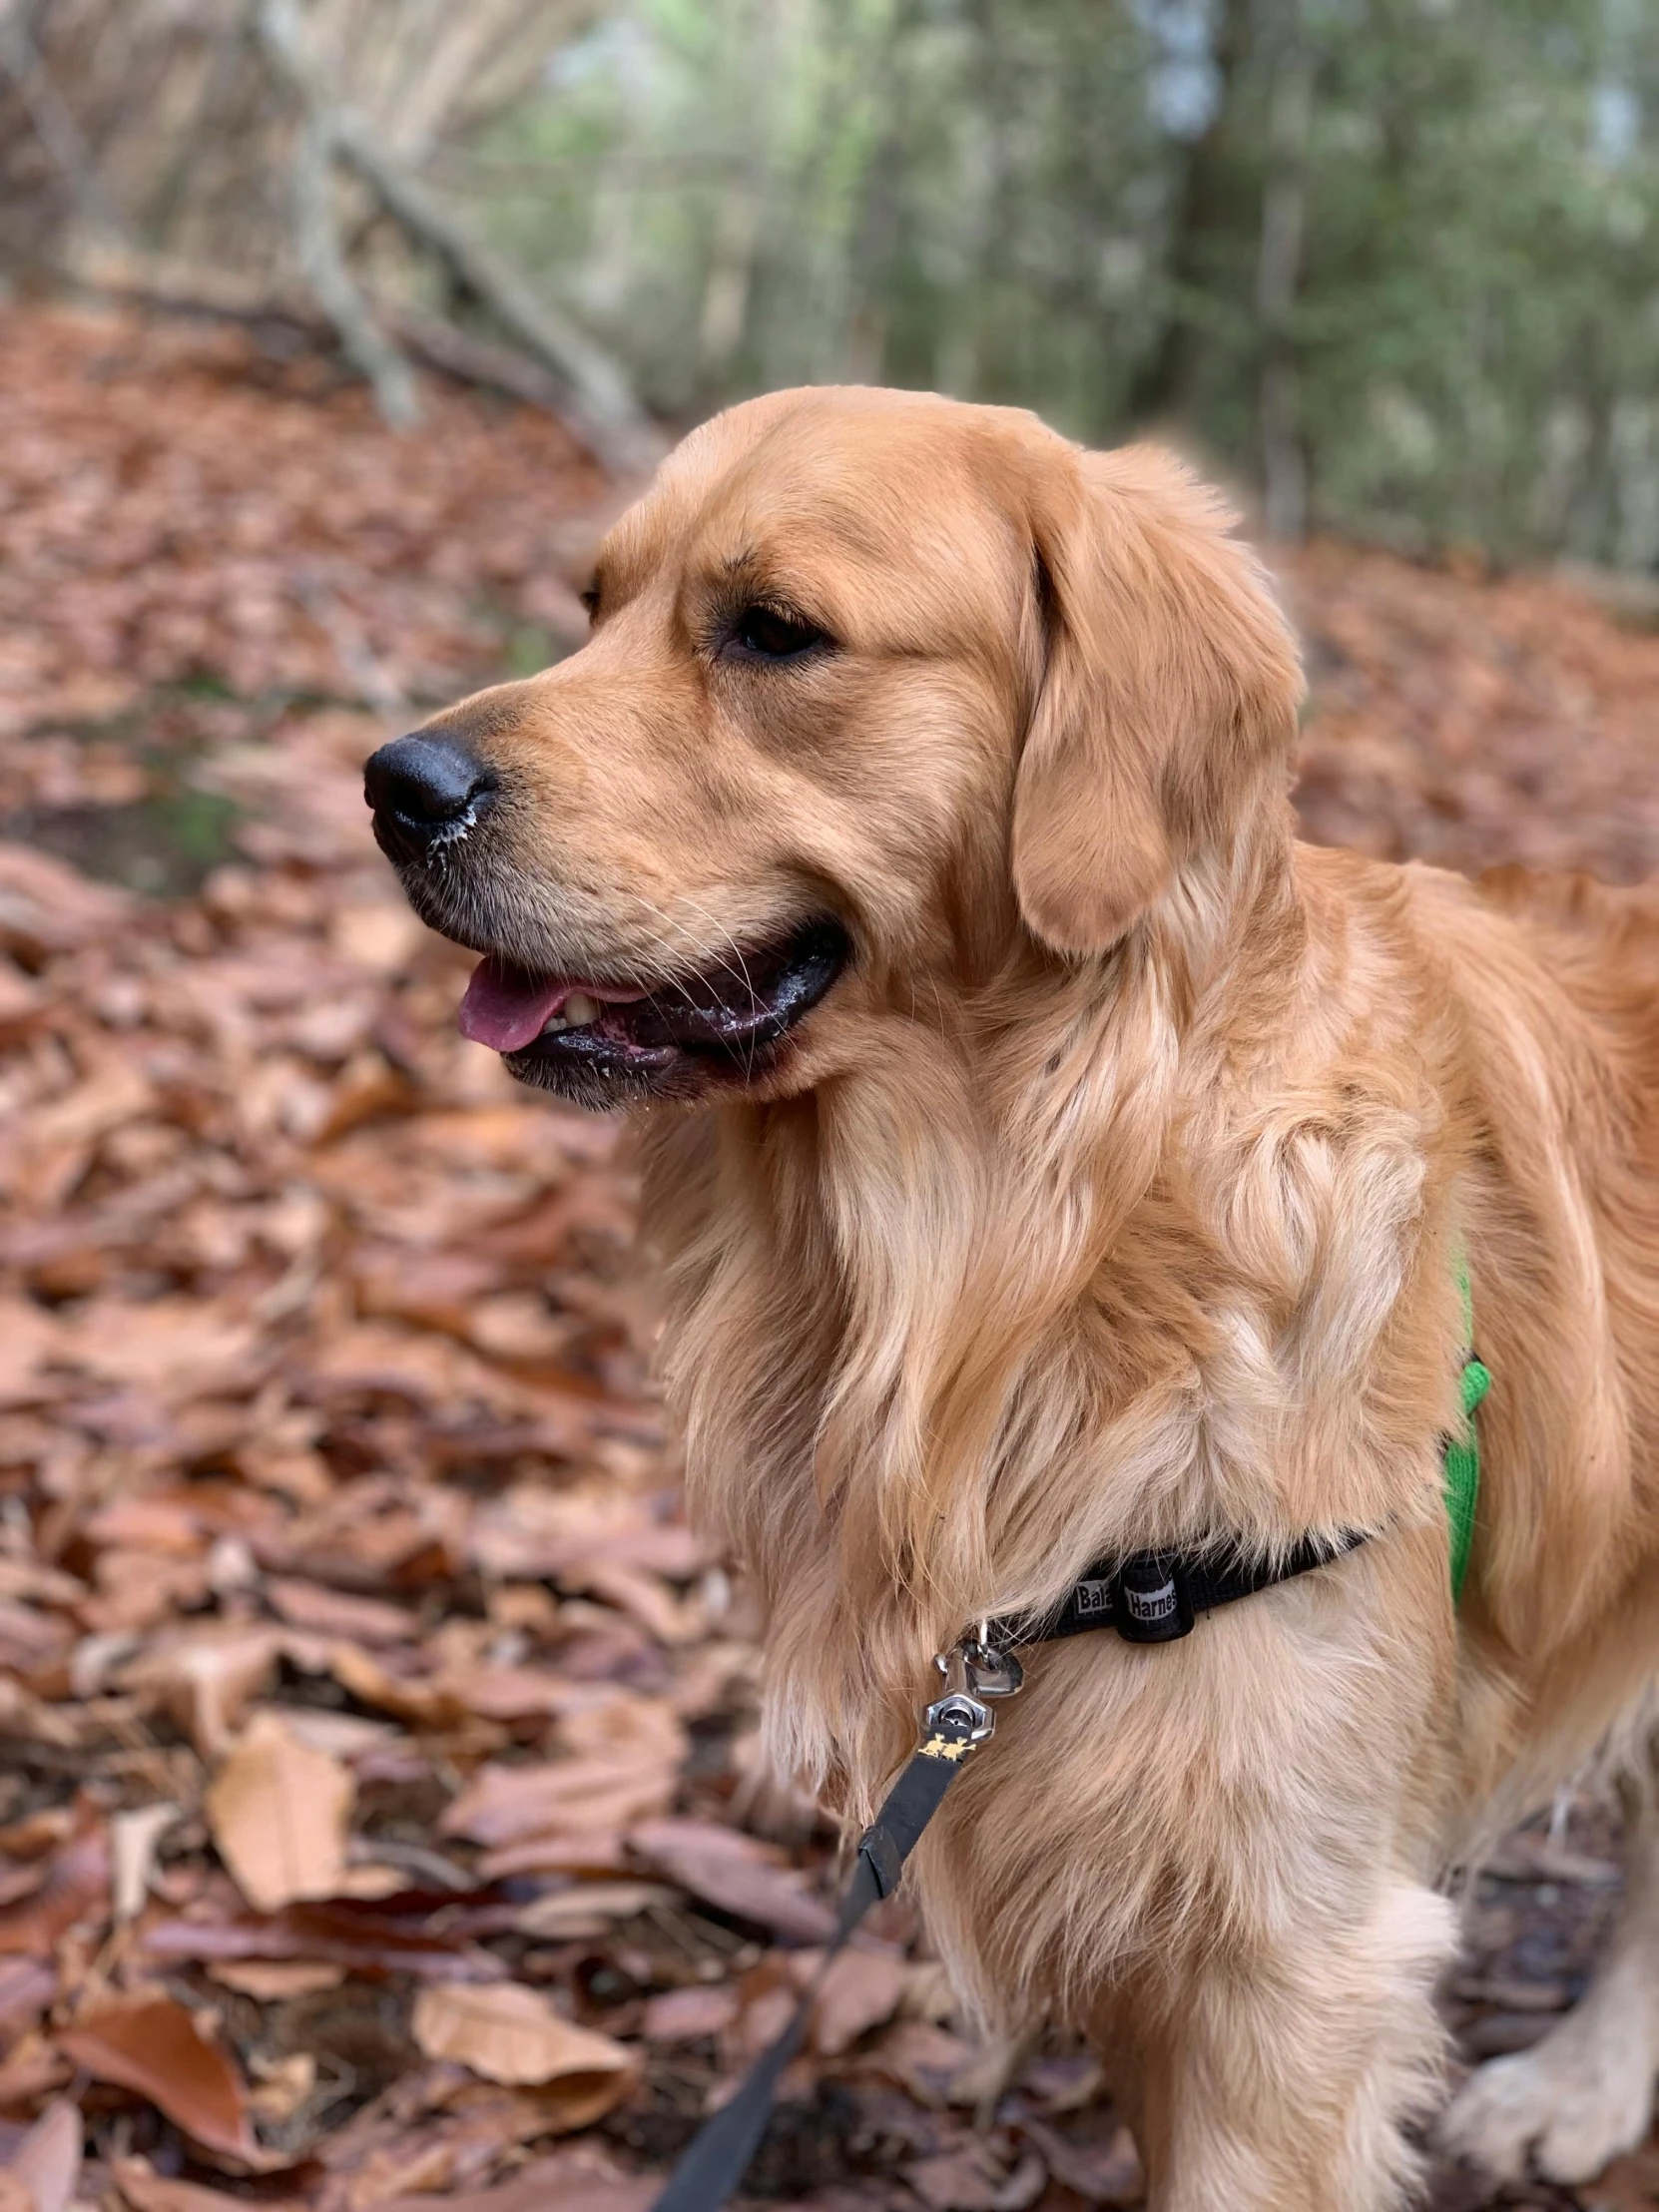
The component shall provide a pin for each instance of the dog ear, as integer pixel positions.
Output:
(1168, 699)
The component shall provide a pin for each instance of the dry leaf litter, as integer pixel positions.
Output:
(380, 1824)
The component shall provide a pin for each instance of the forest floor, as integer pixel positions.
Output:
(379, 1822)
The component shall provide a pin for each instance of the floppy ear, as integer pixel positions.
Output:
(1168, 699)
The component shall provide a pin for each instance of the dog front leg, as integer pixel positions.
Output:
(1573, 2102)
(1287, 2080)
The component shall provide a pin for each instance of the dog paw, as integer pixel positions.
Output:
(1568, 2107)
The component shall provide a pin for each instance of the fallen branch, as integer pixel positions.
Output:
(595, 395)
(203, 294)
(599, 398)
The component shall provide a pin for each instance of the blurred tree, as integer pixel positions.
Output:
(1392, 260)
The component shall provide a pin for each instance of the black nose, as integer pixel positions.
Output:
(424, 791)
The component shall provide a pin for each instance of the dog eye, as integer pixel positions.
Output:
(771, 635)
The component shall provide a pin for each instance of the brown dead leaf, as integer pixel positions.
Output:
(273, 1979)
(504, 1805)
(597, 1851)
(964, 2180)
(860, 1991)
(1629, 2184)
(32, 2070)
(589, 1908)
(278, 1810)
(147, 2191)
(48, 2160)
(645, 1597)
(1106, 2170)
(151, 2046)
(512, 2034)
(584, 2181)
(46, 906)
(364, 1620)
(27, 1988)
(205, 1674)
(75, 1888)
(922, 2060)
(418, 1700)
(396, 1935)
(683, 2015)
(736, 1876)
(28, 1339)
(134, 1841)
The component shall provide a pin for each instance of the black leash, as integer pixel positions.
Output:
(1152, 1597)
(952, 1730)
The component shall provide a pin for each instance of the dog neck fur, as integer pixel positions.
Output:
(914, 1318)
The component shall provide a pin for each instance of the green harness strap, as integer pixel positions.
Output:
(1462, 1450)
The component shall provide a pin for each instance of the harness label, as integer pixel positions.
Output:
(1151, 1605)
(1093, 1599)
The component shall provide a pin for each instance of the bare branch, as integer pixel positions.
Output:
(53, 122)
(174, 288)
(322, 257)
(598, 398)
(600, 401)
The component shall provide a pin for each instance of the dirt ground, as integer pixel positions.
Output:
(378, 1815)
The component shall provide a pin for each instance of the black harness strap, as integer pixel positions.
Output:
(1154, 1598)
(1151, 1598)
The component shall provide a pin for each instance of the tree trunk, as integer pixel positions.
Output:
(1279, 266)
(1204, 207)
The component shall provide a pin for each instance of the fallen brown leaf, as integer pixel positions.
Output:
(134, 1840)
(396, 1935)
(33, 2070)
(506, 1804)
(48, 2160)
(964, 2180)
(714, 1866)
(75, 1888)
(860, 1991)
(1630, 2184)
(589, 1908)
(278, 1810)
(512, 2034)
(27, 1988)
(591, 2185)
(683, 2015)
(269, 1978)
(147, 2191)
(365, 1620)
(1106, 2170)
(151, 2046)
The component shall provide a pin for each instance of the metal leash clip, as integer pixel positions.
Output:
(974, 1670)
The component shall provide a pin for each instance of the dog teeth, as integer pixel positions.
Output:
(580, 1009)
(552, 1028)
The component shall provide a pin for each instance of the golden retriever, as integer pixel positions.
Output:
(1049, 1157)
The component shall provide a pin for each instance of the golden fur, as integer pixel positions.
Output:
(1112, 1198)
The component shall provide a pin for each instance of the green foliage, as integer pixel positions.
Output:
(1394, 257)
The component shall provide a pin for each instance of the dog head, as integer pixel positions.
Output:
(883, 693)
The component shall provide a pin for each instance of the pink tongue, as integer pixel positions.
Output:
(505, 1008)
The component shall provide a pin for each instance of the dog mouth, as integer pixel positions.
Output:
(596, 1039)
